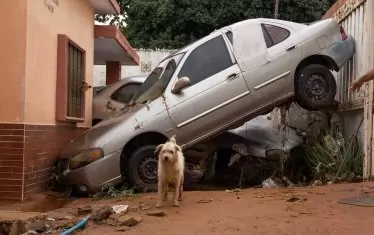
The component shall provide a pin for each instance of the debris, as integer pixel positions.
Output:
(156, 213)
(30, 232)
(237, 190)
(123, 229)
(205, 200)
(143, 206)
(123, 220)
(84, 210)
(81, 224)
(234, 158)
(317, 183)
(38, 226)
(294, 199)
(269, 183)
(120, 208)
(102, 214)
(287, 181)
(51, 219)
(67, 217)
(133, 209)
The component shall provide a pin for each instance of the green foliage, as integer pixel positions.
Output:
(109, 191)
(174, 23)
(335, 159)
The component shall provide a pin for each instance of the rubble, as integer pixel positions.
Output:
(102, 214)
(123, 220)
(317, 183)
(84, 210)
(120, 208)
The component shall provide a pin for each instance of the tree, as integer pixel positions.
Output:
(175, 23)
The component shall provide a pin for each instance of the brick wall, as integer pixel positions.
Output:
(27, 155)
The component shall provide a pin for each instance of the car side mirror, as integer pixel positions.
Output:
(180, 85)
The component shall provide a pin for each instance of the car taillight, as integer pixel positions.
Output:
(342, 33)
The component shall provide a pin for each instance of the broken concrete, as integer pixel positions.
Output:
(103, 213)
(17, 222)
(84, 210)
(123, 220)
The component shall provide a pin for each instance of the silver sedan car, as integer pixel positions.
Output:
(207, 88)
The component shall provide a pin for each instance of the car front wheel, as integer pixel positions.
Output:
(142, 168)
(315, 87)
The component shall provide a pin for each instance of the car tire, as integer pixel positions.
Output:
(315, 87)
(142, 169)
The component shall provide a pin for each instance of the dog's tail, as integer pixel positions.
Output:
(172, 139)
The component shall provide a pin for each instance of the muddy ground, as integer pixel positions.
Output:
(310, 210)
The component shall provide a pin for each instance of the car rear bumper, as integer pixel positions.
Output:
(341, 51)
(92, 177)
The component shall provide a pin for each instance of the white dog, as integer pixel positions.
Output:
(170, 171)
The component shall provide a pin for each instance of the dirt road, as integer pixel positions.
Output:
(252, 211)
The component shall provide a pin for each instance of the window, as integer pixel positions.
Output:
(75, 81)
(71, 85)
(230, 36)
(206, 60)
(274, 34)
(126, 93)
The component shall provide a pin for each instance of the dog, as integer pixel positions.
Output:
(170, 171)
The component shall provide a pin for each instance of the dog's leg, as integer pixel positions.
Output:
(166, 190)
(176, 192)
(180, 198)
(160, 193)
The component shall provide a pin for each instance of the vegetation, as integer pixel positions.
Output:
(109, 191)
(335, 159)
(173, 24)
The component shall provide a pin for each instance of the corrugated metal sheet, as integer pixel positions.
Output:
(353, 24)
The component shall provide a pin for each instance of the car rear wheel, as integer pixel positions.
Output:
(315, 87)
(142, 168)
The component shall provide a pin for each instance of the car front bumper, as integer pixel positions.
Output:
(92, 177)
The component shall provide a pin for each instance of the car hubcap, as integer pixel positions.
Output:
(147, 170)
(316, 88)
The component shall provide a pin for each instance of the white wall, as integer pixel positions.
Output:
(148, 60)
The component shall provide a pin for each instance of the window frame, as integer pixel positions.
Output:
(117, 90)
(267, 35)
(226, 45)
(62, 89)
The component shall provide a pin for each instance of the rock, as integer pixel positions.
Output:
(67, 217)
(144, 207)
(123, 220)
(84, 210)
(102, 214)
(317, 183)
(156, 213)
(120, 208)
(38, 226)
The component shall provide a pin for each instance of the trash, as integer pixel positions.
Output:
(156, 213)
(102, 214)
(120, 208)
(237, 190)
(205, 200)
(84, 210)
(269, 183)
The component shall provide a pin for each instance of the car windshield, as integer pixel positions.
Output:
(156, 82)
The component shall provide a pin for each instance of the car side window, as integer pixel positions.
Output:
(125, 93)
(230, 37)
(206, 60)
(274, 34)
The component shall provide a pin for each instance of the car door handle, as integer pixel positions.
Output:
(291, 48)
(232, 76)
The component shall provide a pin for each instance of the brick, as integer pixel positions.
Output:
(17, 145)
(11, 138)
(11, 195)
(11, 163)
(10, 182)
(12, 126)
(8, 169)
(16, 176)
(10, 151)
(8, 157)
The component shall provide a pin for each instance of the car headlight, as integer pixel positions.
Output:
(85, 157)
(275, 154)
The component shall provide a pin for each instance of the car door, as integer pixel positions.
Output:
(282, 55)
(217, 93)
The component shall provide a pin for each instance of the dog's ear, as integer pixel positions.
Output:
(177, 148)
(158, 148)
(172, 140)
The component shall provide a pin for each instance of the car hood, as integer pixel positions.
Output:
(95, 136)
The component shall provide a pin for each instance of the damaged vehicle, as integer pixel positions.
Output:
(213, 85)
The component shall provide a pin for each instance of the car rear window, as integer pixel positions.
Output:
(274, 34)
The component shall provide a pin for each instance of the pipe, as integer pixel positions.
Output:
(75, 227)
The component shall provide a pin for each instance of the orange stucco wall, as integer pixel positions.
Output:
(76, 20)
(12, 60)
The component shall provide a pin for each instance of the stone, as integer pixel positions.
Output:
(123, 220)
(156, 213)
(317, 183)
(16, 222)
(102, 214)
(38, 226)
(84, 210)
(133, 209)
(67, 217)
(120, 208)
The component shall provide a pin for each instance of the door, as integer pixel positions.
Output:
(217, 93)
(282, 55)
